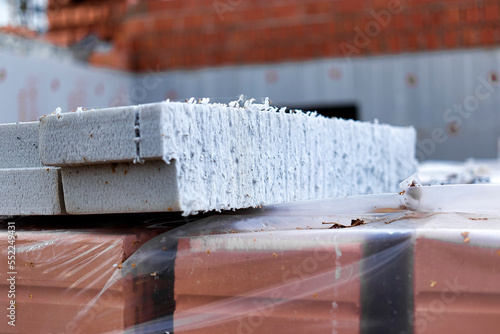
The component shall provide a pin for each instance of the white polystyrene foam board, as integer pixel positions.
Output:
(26, 186)
(120, 188)
(225, 157)
(19, 145)
(81, 137)
(31, 191)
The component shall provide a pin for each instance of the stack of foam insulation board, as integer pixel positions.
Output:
(26, 186)
(193, 157)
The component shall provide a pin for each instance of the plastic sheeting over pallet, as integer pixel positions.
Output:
(346, 265)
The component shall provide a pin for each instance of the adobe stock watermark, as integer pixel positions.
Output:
(455, 116)
(90, 313)
(138, 93)
(223, 6)
(363, 37)
(436, 307)
(293, 281)
(11, 274)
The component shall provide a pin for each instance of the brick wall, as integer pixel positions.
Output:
(200, 33)
(70, 21)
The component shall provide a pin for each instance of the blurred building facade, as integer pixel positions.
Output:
(193, 34)
(431, 64)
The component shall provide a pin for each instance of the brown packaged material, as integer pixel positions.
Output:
(456, 287)
(249, 283)
(62, 281)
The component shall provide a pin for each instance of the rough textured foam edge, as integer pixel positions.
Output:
(228, 156)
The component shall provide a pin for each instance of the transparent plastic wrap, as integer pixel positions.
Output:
(361, 264)
(50, 275)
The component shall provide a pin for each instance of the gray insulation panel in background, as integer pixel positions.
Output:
(202, 157)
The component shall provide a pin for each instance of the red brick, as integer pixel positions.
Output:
(487, 36)
(380, 4)
(348, 25)
(55, 21)
(325, 7)
(191, 22)
(417, 20)
(491, 12)
(436, 19)
(469, 37)
(158, 6)
(453, 16)
(399, 22)
(450, 39)
(226, 285)
(59, 273)
(456, 287)
(412, 42)
(289, 11)
(162, 24)
(393, 44)
(472, 15)
(328, 49)
(432, 41)
(297, 22)
(349, 6)
(134, 27)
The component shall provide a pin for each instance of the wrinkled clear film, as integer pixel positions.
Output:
(360, 264)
